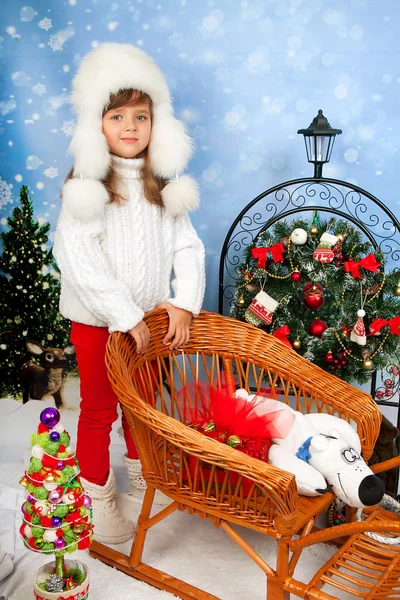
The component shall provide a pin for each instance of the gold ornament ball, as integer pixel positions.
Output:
(79, 528)
(368, 364)
(297, 344)
(49, 478)
(314, 230)
(240, 300)
(397, 291)
(39, 542)
(24, 482)
(72, 508)
(340, 236)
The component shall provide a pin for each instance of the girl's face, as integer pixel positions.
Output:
(127, 129)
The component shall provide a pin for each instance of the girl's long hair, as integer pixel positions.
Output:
(152, 185)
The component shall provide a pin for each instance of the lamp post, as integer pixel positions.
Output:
(319, 138)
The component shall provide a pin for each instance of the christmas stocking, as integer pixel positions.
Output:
(324, 252)
(261, 309)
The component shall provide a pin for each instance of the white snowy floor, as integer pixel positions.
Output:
(184, 546)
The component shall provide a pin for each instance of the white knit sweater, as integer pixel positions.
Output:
(119, 266)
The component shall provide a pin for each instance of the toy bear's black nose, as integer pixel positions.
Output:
(371, 490)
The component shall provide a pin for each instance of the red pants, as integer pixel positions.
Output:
(98, 405)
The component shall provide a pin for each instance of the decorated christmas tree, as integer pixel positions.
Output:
(56, 512)
(322, 289)
(29, 291)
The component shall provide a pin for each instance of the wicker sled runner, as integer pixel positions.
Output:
(210, 479)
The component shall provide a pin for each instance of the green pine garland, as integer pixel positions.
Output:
(29, 291)
(334, 351)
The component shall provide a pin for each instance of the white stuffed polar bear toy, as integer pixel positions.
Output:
(324, 453)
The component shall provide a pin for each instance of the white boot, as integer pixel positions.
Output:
(137, 483)
(110, 527)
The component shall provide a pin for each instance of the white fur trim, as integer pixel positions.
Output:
(180, 195)
(106, 70)
(84, 199)
(89, 149)
(170, 147)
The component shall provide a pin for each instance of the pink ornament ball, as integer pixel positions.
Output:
(23, 508)
(60, 465)
(59, 543)
(87, 501)
(55, 496)
(31, 499)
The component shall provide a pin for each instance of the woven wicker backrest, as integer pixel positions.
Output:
(178, 458)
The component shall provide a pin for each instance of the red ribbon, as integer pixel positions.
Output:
(261, 254)
(378, 324)
(37, 510)
(368, 262)
(281, 333)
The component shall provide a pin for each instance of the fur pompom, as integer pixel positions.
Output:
(180, 195)
(84, 199)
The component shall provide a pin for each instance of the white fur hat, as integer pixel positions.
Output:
(106, 70)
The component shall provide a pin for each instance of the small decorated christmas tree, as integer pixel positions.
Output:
(29, 291)
(322, 288)
(56, 512)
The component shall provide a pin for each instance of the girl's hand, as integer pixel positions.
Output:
(179, 326)
(141, 335)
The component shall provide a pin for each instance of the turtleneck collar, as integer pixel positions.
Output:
(127, 168)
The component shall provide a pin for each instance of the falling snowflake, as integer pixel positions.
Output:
(222, 74)
(199, 132)
(57, 40)
(176, 39)
(39, 89)
(68, 128)
(45, 24)
(5, 193)
(51, 172)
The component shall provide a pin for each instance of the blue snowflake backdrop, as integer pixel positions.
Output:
(245, 75)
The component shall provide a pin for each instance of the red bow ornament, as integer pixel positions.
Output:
(261, 254)
(369, 263)
(378, 324)
(281, 333)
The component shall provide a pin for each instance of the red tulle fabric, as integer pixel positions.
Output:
(247, 425)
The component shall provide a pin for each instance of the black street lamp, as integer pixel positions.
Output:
(319, 138)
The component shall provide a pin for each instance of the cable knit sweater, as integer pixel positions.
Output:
(119, 266)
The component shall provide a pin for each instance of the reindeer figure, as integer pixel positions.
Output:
(47, 378)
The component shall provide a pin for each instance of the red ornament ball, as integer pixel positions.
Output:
(329, 357)
(313, 295)
(295, 276)
(317, 327)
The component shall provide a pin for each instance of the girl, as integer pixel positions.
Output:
(122, 231)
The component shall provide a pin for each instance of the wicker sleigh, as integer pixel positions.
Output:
(204, 477)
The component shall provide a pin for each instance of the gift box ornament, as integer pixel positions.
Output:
(261, 309)
(324, 252)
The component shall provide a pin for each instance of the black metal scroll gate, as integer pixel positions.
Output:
(299, 197)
